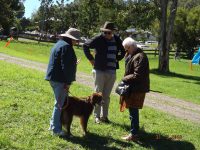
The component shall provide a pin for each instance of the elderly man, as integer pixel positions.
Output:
(108, 51)
(61, 73)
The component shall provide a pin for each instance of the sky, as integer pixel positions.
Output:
(32, 6)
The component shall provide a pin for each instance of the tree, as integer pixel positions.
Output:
(88, 16)
(9, 10)
(166, 33)
(24, 23)
(187, 25)
(45, 6)
(188, 4)
(137, 13)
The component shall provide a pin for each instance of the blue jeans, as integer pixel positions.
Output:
(60, 94)
(134, 118)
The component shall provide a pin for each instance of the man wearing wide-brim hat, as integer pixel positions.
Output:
(108, 51)
(61, 73)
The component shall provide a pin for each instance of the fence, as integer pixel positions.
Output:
(172, 53)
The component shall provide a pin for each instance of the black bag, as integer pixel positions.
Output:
(123, 89)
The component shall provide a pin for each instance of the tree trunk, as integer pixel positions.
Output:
(171, 23)
(163, 52)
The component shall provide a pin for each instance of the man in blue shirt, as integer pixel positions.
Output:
(61, 73)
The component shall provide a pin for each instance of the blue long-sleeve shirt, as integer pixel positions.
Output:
(62, 63)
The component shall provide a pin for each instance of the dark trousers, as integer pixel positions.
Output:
(134, 118)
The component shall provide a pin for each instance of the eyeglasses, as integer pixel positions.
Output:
(108, 33)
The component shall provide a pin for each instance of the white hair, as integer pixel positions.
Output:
(129, 42)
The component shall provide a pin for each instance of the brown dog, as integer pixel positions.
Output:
(81, 107)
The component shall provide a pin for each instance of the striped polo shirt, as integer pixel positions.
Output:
(111, 56)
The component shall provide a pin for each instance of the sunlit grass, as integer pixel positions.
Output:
(26, 102)
(181, 83)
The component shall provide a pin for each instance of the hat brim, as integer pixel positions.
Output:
(108, 30)
(70, 36)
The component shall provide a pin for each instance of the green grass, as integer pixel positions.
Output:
(26, 103)
(180, 83)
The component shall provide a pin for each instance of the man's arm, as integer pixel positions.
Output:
(121, 50)
(86, 48)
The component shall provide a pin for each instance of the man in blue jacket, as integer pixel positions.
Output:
(61, 73)
(108, 51)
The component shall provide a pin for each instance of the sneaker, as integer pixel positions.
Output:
(130, 137)
(105, 120)
(60, 134)
(97, 120)
(50, 128)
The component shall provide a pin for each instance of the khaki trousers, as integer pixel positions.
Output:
(104, 82)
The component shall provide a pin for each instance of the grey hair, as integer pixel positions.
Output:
(129, 42)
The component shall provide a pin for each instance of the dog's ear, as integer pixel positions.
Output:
(89, 99)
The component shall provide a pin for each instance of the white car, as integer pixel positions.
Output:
(143, 46)
(151, 42)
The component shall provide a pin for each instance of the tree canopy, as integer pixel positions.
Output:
(10, 10)
(89, 15)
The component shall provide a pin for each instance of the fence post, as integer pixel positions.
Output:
(155, 52)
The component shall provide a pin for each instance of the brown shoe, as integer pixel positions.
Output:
(130, 137)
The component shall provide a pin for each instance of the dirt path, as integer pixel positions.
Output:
(173, 106)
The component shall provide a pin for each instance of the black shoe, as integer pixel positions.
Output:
(105, 120)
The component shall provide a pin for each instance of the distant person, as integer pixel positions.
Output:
(137, 76)
(108, 50)
(177, 54)
(61, 73)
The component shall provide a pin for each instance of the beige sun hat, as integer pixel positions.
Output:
(72, 33)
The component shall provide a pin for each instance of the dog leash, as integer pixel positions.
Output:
(71, 94)
(59, 101)
(66, 105)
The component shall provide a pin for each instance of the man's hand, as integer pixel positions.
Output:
(78, 61)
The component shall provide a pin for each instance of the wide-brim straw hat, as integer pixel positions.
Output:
(72, 33)
(108, 26)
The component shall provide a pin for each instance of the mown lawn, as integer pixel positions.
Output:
(26, 102)
(180, 83)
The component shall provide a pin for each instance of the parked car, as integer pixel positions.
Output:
(143, 46)
(3, 37)
(151, 42)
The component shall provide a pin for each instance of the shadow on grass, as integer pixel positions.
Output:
(156, 91)
(173, 74)
(158, 141)
(96, 142)
(198, 82)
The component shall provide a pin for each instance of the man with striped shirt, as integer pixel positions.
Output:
(108, 51)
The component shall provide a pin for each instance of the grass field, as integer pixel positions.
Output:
(180, 83)
(26, 102)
